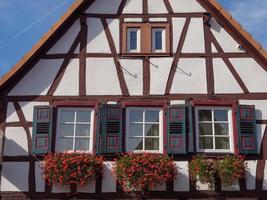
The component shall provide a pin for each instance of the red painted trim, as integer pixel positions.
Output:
(75, 103)
(212, 103)
(97, 112)
(165, 133)
(145, 103)
(235, 129)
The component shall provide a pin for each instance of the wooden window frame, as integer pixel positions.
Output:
(161, 130)
(91, 123)
(146, 39)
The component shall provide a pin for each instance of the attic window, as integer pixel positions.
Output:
(145, 39)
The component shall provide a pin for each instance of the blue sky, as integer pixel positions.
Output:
(23, 22)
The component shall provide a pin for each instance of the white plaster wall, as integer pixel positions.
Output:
(156, 6)
(27, 108)
(264, 185)
(108, 181)
(64, 43)
(133, 19)
(159, 73)
(194, 41)
(182, 6)
(225, 40)
(114, 27)
(77, 50)
(213, 48)
(15, 142)
(196, 83)
(260, 133)
(69, 84)
(39, 79)
(177, 102)
(159, 19)
(252, 74)
(224, 81)
(177, 27)
(96, 39)
(104, 7)
(133, 6)
(11, 115)
(60, 188)
(181, 181)
(201, 186)
(15, 176)
(39, 181)
(133, 74)
(88, 188)
(101, 77)
(251, 174)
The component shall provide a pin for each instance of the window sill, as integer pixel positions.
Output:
(153, 54)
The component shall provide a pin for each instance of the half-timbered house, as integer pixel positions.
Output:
(178, 77)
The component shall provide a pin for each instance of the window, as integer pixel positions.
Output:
(158, 39)
(74, 129)
(145, 39)
(133, 40)
(144, 130)
(214, 130)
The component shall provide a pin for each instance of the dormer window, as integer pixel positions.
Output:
(141, 39)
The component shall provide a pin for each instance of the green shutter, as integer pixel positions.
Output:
(247, 132)
(189, 128)
(42, 129)
(176, 120)
(109, 134)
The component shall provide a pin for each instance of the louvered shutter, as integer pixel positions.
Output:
(42, 129)
(109, 134)
(247, 129)
(177, 129)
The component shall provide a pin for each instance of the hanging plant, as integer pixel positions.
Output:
(71, 168)
(203, 170)
(231, 169)
(141, 172)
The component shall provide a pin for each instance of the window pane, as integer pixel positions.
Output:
(67, 116)
(83, 116)
(133, 40)
(82, 130)
(135, 144)
(221, 129)
(204, 115)
(222, 143)
(152, 116)
(66, 130)
(158, 40)
(221, 115)
(82, 144)
(66, 144)
(136, 130)
(205, 128)
(152, 130)
(136, 116)
(205, 143)
(151, 143)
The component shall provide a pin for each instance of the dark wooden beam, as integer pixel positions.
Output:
(177, 56)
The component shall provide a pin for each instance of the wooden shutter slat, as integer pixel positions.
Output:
(247, 132)
(42, 129)
(176, 121)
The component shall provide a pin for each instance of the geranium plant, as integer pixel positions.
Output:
(231, 169)
(71, 168)
(203, 170)
(141, 172)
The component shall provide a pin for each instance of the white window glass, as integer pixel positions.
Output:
(133, 40)
(158, 40)
(144, 130)
(214, 129)
(74, 129)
